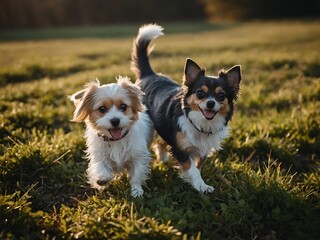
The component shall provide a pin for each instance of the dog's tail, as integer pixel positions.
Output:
(140, 64)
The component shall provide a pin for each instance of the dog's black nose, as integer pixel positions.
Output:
(210, 104)
(115, 122)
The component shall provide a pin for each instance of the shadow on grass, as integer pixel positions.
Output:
(249, 206)
(35, 72)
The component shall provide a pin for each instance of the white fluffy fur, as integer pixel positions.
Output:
(204, 144)
(193, 176)
(149, 32)
(108, 158)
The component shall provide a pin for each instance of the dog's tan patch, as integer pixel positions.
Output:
(161, 148)
(205, 89)
(225, 107)
(180, 139)
(134, 117)
(200, 161)
(185, 166)
(161, 142)
(117, 102)
(85, 105)
(193, 102)
(134, 94)
(95, 114)
(108, 103)
(218, 90)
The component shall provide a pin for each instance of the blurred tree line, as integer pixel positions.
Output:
(262, 9)
(48, 13)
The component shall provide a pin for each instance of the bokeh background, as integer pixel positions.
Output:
(17, 14)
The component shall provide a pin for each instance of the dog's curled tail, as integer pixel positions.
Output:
(140, 64)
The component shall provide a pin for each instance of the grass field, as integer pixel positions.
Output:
(266, 179)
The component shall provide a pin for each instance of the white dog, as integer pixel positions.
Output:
(118, 132)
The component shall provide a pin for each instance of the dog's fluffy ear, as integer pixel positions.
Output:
(234, 78)
(191, 72)
(83, 101)
(134, 93)
(77, 97)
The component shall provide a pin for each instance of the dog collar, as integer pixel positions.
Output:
(199, 130)
(108, 139)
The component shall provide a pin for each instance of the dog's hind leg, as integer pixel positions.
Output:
(160, 149)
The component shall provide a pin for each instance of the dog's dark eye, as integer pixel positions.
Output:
(200, 94)
(102, 109)
(221, 96)
(123, 107)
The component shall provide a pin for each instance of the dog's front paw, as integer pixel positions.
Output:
(98, 175)
(207, 189)
(203, 188)
(193, 177)
(136, 191)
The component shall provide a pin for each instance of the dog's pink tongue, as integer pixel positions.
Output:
(116, 133)
(208, 114)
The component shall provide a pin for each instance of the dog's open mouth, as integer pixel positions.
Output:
(209, 114)
(116, 133)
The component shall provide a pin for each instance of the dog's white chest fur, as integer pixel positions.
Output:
(204, 144)
(112, 153)
(109, 158)
(118, 152)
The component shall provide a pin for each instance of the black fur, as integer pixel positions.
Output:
(166, 100)
(163, 101)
